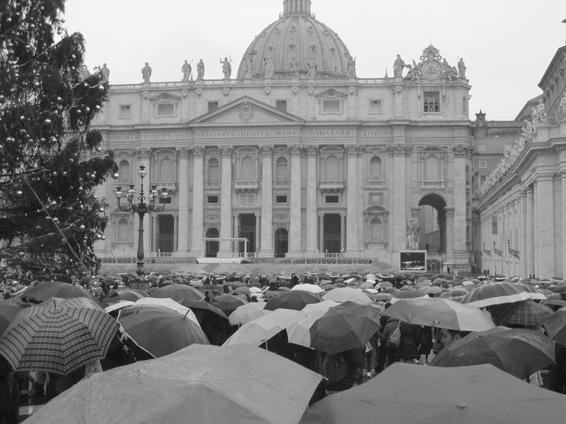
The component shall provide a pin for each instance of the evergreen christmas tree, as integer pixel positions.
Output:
(50, 159)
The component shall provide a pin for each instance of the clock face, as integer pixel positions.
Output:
(431, 70)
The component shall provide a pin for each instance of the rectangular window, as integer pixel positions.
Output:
(212, 199)
(212, 106)
(376, 198)
(165, 201)
(165, 109)
(125, 111)
(332, 199)
(494, 224)
(281, 105)
(375, 107)
(281, 199)
(482, 179)
(482, 164)
(331, 106)
(431, 102)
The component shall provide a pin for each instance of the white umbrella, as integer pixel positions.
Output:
(248, 312)
(118, 305)
(299, 333)
(311, 288)
(260, 330)
(169, 304)
(348, 294)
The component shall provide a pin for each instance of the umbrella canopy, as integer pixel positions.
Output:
(178, 292)
(344, 327)
(409, 294)
(115, 307)
(528, 313)
(47, 290)
(495, 294)
(243, 290)
(348, 294)
(440, 313)
(248, 312)
(311, 288)
(555, 326)
(200, 384)
(295, 300)
(517, 351)
(117, 296)
(261, 329)
(228, 303)
(204, 306)
(299, 333)
(159, 331)
(59, 336)
(169, 304)
(8, 312)
(407, 393)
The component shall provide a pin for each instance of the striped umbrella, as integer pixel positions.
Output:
(528, 314)
(58, 336)
(495, 294)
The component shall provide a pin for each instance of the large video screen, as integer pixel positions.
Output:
(413, 261)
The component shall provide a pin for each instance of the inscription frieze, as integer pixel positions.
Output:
(246, 132)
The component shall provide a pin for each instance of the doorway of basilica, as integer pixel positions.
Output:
(165, 233)
(212, 247)
(332, 233)
(281, 242)
(432, 224)
(247, 226)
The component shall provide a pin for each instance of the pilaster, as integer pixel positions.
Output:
(398, 190)
(352, 221)
(295, 201)
(197, 247)
(545, 194)
(266, 245)
(311, 206)
(183, 224)
(226, 245)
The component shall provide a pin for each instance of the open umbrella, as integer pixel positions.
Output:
(248, 312)
(344, 327)
(201, 384)
(528, 313)
(348, 294)
(519, 352)
(311, 288)
(159, 331)
(228, 303)
(47, 290)
(440, 313)
(201, 305)
(169, 304)
(555, 326)
(295, 300)
(113, 308)
(178, 292)
(58, 336)
(495, 294)
(300, 332)
(118, 295)
(407, 393)
(261, 329)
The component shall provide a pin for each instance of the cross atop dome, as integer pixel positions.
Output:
(296, 7)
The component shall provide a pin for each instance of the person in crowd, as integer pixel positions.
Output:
(557, 377)
(9, 394)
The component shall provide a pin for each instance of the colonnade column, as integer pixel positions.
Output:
(266, 245)
(352, 207)
(563, 209)
(197, 245)
(226, 245)
(449, 233)
(312, 209)
(144, 158)
(398, 198)
(545, 194)
(295, 201)
(523, 229)
(183, 226)
(530, 229)
(459, 233)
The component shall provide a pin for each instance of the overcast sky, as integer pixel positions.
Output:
(506, 44)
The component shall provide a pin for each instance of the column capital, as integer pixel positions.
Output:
(461, 150)
(353, 149)
(226, 151)
(143, 153)
(311, 151)
(183, 152)
(266, 151)
(398, 149)
(295, 149)
(198, 151)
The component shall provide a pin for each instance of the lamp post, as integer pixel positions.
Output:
(141, 208)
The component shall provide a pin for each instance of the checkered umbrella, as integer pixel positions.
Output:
(555, 326)
(529, 313)
(58, 336)
(495, 294)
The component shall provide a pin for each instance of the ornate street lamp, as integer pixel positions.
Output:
(156, 203)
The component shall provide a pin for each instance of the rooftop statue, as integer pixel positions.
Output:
(461, 69)
(200, 70)
(187, 70)
(146, 73)
(226, 67)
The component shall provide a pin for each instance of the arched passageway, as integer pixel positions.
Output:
(432, 222)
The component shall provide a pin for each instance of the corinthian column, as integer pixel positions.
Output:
(226, 205)
(183, 226)
(546, 249)
(398, 197)
(563, 209)
(266, 245)
(460, 155)
(312, 224)
(352, 206)
(198, 200)
(295, 201)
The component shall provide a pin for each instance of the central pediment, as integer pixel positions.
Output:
(246, 111)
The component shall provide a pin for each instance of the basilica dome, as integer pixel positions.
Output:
(297, 46)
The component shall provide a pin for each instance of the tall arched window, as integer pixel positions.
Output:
(331, 168)
(248, 170)
(376, 230)
(375, 168)
(432, 168)
(213, 171)
(166, 171)
(281, 171)
(124, 172)
(123, 231)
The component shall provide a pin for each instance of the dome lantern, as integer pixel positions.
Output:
(296, 7)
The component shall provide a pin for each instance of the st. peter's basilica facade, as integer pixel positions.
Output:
(296, 154)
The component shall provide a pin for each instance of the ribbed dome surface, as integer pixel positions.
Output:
(297, 46)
